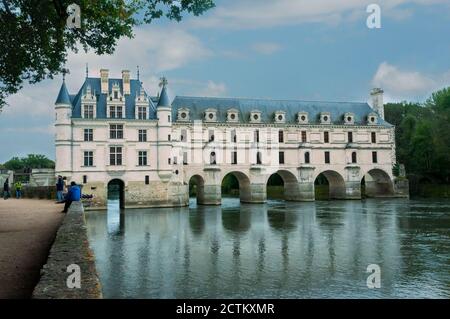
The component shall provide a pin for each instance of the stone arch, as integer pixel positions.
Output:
(196, 186)
(244, 185)
(116, 191)
(290, 184)
(336, 184)
(377, 183)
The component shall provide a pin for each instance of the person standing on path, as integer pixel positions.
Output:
(6, 193)
(59, 189)
(18, 188)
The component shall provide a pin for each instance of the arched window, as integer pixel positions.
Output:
(354, 158)
(212, 158)
(307, 159)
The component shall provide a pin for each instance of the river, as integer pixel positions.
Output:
(279, 249)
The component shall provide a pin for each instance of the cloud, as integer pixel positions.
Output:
(213, 89)
(255, 14)
(266, 48)
(407, 84)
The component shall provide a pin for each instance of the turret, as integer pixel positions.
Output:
(63, 127)
(164, 115)
(377, 101)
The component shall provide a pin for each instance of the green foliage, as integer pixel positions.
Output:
(423, 135)
(34, 39)
(31, 161)
(229, 183)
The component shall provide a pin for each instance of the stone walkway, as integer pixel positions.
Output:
(27, 230)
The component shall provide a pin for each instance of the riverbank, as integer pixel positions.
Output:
(27, 230)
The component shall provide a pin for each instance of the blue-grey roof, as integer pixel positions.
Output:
(197, 106)
(63, 96)
(164, 98)
(95, 85)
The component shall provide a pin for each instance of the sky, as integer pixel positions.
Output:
(278, 49)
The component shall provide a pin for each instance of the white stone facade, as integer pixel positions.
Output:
(153, 151)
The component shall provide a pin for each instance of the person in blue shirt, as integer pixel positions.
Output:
(73, 195)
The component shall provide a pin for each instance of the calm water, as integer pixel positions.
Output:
(276, 250)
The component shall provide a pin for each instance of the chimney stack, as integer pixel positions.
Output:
(126, 81)
(104, 80)
(377, 101)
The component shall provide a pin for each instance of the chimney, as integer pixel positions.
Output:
(126, 81)
(104, 80)
(377, 101)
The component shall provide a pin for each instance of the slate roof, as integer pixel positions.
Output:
(63, 95)
(95, 84)
(197, 106)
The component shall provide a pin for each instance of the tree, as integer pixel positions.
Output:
(31, 161)
(35, 39)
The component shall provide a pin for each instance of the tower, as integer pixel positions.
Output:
(63, 136)
(164, 115)
(377, 101)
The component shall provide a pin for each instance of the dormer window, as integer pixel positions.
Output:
(280, 117)
(325, 118)
(232, 116)
(116, 95)
(255, 116)
(349, 118)
(211, 115)
(183, 115)
(302, 117)
(372, 119)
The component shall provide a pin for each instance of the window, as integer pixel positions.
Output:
(212, 158)
(303, 136)
(168, 118)
(88, 111)
(175, 160)
(374, 157)
(88, 135)
(142, 135)
(142, 158)
(374, 137)
(115, 112)
(258, 158)
(326, 137)
(307, 159)
(234, 158)
(115, 155)
(281, 157)
(142, 113)
(88, 158)
(169, 137)
(350, 137)
(257, 136)
(169, 160)
(280, 137)
(185, 158)
(211, 135)
(183, 135)
(147, 180)
(327, 157)
(233, 136)
(116, 131)
(354, 157)
(116, 95)
(84, 179)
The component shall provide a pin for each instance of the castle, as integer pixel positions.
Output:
(112, 132)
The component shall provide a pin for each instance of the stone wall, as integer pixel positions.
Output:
(71, 246)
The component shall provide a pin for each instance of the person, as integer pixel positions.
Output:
(6, 193)
(18, 188)
(73, 195)
(59, 189)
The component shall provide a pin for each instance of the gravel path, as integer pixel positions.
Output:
(27, 230)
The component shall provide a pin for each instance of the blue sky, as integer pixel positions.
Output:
(281, 49)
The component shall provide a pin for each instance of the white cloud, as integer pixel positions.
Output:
(213, 89)
(407, 84)
(253, 14)
(266, 48)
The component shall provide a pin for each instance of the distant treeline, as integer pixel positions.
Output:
(423, 137)
(29, 162)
